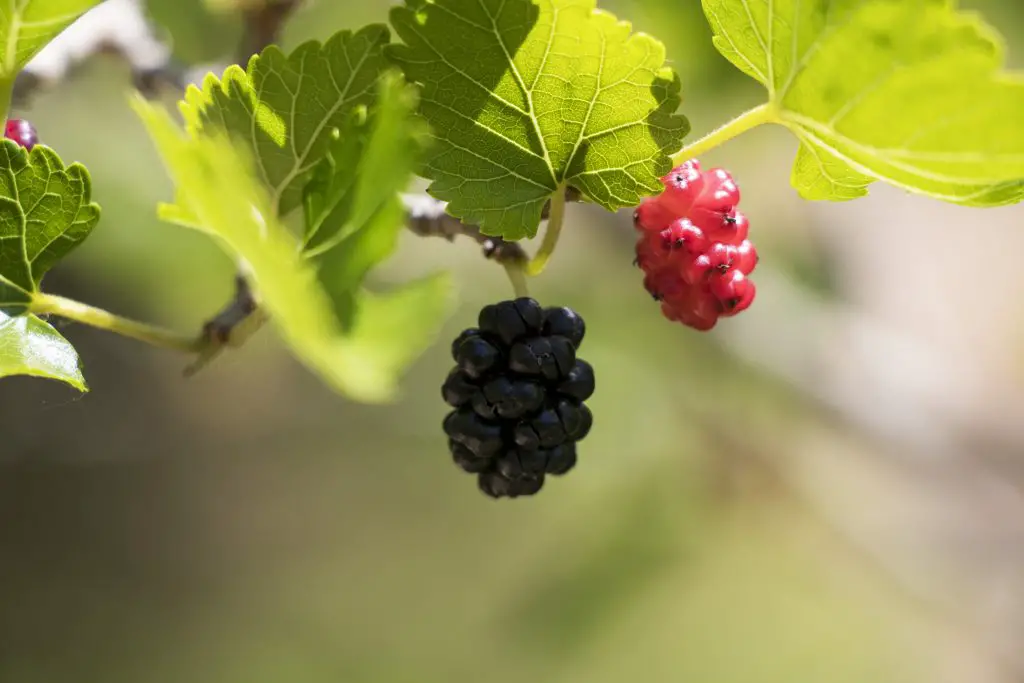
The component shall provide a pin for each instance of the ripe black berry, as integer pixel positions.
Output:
(565, 322)
(476, 356)
(517, 391)
(22, 132)
(458, 389)
(579, 382)
(550, 357)
(512, 320)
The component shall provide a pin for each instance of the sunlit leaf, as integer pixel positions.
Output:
(910, 92)
(29, 346)
(45, 212)
(361, 356)
(285, 107)
(525, 96)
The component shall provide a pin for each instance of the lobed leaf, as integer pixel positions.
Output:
(29, 346)
(527, 96)
(357, 342)
(910, 92)
(354, 213)
(45, 212)
(285, 107)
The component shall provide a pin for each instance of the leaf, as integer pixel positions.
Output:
(45, 212)
(220, 191)
(29, 346)
(354, 213)
(285, 108)
(526, 96)
(909, 92)
(27, 25)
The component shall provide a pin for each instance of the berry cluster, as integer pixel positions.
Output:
(22, 132)
(693, 247)
(518, 391)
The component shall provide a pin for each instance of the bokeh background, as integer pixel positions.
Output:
(828, 488)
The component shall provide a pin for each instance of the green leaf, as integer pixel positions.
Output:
(45, 212)
(909, 92)
(285, 108)
(29, 346)
(526, 96)
(361, 357)
(353, 210)
(27, 25)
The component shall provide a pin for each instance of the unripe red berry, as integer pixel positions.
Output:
(721, 256)
(704, 305)
(652, 216)
(746, 257)
(683, 235)
(694, 248)
(22, 132)
(664, 284)
(720, 191)
(733, 290)
(650, 252)
(682, 187)
(695, 270)
(699, 316)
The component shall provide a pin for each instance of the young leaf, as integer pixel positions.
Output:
(354, 213)
(526, 96)
(361, 357)
(27, 25)
(286, 107)
(45, 212)
(909, 92)
(29, 346)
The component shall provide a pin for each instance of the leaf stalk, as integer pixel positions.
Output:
(556, 217)
(759, 115)
(49, 304)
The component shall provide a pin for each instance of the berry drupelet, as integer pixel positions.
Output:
(22, 132)
(518, 393)
(693, 247)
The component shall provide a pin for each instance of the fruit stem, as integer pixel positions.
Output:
(752, 118)
(96, 317)
(516, 272)
(556, 216)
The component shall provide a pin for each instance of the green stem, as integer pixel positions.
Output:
(556, 217)
(517, 276)
(96, 317)
(6, 94)
(753, 118)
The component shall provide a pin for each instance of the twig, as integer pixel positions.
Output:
(231, 327)
(263, 25)
(427, 217)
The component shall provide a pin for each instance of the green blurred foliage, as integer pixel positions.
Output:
(248, 526)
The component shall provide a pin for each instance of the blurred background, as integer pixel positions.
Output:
(828, 488)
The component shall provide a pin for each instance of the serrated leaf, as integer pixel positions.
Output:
(27, 25)
(221, 193)
(353, 210)
(526, 96)
(29, 346)
(909, 92)
(286, 107)
(45, 212)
